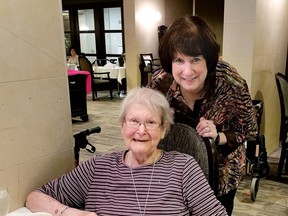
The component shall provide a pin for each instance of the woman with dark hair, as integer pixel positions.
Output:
(73, 59)
(198, 85)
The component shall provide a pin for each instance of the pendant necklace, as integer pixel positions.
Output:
(147, 196)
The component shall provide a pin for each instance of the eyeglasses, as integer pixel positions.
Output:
(149, 125)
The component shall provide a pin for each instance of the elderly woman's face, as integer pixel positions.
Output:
(189, 72)
(142, 130)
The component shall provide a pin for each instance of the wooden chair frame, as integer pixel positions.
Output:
(96, 78)
(282, 86)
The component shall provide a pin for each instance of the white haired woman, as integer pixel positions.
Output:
(142, 180)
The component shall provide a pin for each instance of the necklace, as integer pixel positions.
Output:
(147, 196)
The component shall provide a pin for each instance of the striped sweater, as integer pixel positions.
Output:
(104, 185)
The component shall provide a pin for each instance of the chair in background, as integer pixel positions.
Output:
(103, 62)
(100, 62)
(100, 81)
(183, 138)
(147, 65)
(282, 86)
(84, 63)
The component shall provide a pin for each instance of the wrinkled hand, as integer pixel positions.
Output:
(206, 128)
(88, 214)
(77, 212)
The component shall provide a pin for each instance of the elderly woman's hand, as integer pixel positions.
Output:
(206, 128)
(77, 212)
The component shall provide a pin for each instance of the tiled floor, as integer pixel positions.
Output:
(272, 197)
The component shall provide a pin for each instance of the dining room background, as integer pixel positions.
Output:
(36, 129)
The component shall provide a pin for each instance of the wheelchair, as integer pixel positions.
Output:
(81, 142)
(256, 154)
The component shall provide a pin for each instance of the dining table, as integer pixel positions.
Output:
(116, 72)
(20, 211)
(88, 78)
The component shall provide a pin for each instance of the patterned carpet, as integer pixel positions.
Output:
(273, 164)
(271, 198)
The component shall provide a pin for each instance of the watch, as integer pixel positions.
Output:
(217, 140)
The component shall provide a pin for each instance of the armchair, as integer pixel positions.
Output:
(101, 81)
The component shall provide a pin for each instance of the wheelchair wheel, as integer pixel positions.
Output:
(254, 188)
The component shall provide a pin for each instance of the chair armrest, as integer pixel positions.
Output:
(101, 75)
(214, 180)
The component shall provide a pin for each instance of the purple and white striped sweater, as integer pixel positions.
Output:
(104, 185)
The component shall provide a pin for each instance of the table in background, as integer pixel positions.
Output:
(118, 73)
(88, 78)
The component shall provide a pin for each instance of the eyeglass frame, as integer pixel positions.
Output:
(135, 124)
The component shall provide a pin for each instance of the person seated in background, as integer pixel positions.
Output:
(73, 59)
(142, 180)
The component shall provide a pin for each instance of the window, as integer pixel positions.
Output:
(95, 29)
(67, 32)
(112, 18)
(113, 43)
(113, 31)
(87, 34)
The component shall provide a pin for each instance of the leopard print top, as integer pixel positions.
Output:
(231, 110)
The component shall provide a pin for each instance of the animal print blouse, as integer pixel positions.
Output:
(231, 111)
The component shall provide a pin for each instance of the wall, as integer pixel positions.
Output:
(255, 42)
(213, 12)
(141, 36)
(36, 132)
(175, 9)
(238, 37)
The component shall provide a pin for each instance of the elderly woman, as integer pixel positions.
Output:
(142, 180)
(199, 86)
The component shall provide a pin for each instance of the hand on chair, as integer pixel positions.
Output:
(206, 128)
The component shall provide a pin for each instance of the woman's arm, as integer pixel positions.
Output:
(37, 201)
(68, 190)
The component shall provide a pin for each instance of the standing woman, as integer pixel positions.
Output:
(197, 85)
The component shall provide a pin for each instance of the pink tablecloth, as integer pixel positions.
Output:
(88, 78)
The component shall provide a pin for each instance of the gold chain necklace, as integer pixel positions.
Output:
(147, 196)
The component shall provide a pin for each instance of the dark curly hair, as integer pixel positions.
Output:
(70, 48)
